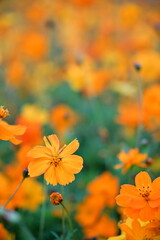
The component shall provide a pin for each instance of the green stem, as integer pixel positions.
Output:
(63, 217)
(69, 219)
(16, 190)
(140, 103)
(42, 218)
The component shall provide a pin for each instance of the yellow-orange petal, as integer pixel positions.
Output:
(72, 163)
(131, 212)
(155, 194)
(17, 129)
(117, 166)
(54, 142)
(142, 179)
(154, 203)
(9, 132)
(147, 213)
(47, 143)
(38, 166)
(123, 200)
(50, 175)
(127, 230)
(129, 189)
(63, 177)
(123, 156)
(70, 149)
(138, 202)
(40, 152)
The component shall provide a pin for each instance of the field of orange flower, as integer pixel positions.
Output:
(79, 120)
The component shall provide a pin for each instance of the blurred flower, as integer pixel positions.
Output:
(33, 134)
(5, 235)
(99, 189)
(151, 96)
(57, 164)
(83, 77)
(21, 156)
(32, 117)
(89, 210)
(150, 61)
(129, 14)
(11, 132)
(143, 200)
(15, 72)
(33, 45)
(25, 197)
(133, 157)
(83, 2)
(63, 118)
(104, 227)
(56, 198)
(129, 115)
(33, 113)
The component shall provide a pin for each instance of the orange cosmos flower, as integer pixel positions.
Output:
(138, 231)
(56, 198)
(143, 200)
(133, 157)
(9, 132)
(57, 164)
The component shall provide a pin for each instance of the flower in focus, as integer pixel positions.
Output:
(138, 231)
(9, 132)
(133, 157)
(57, 164)
(143, 200)
(56, 198)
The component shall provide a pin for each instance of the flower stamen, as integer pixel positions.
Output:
(3, 112)
(56, 161)
(145, 192)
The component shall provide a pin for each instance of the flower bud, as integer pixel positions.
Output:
(25, 173)
(137, 66)
(56, 198)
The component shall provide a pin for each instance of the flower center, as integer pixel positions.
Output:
(56, 161)
(145, 191)
(3, 112)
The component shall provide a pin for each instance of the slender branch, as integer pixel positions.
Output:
(140, 103)
(69, 218)
(63, 217)
(42, 217)
(12, 195)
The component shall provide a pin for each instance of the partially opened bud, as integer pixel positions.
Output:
(56, 198)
